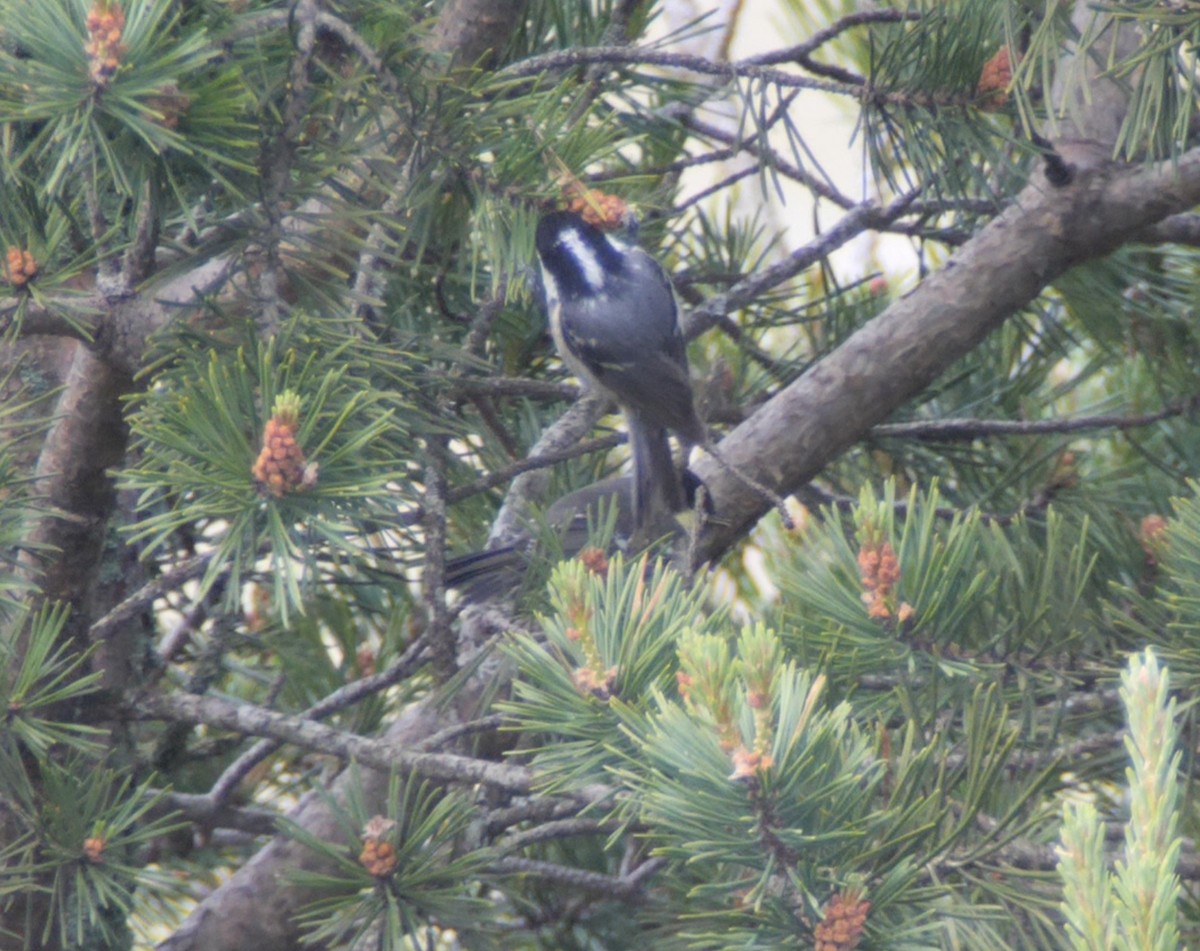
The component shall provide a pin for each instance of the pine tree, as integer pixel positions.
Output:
(272, 353)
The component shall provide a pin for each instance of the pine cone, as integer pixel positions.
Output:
(378, 858)
(994, 78)
(605, 211)
(842, 927)
(104, 49)
(280, 465)
(93, 848)
(19, 266)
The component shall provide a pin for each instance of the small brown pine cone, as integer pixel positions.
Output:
(842, 927)
(605, 211)
(378, 858)
(105, 26)
(93, 848)
(594, 560)
(992, 89)
(281, 466)
(19, 266)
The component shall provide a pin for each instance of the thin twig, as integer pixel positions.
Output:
(727, 182)
(433, 582)
(639, 56)
(549, 831)
(368, 286)
(518, 387)
(618, 889)
(139, 259)
(181, 632)
(451, 733)
(956, 430)
(852, 224)
(485, 319)
(531, 464)
(766, 157)
(792, 54)
(382, 754)
(127, 610)
(399, 669)
(348, 35)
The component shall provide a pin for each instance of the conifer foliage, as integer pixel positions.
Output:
(272, 354)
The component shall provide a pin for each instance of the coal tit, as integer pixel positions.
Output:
(615, 323)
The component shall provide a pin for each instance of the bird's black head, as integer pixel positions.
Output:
(578, 255)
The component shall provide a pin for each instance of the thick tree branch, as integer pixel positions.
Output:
(1045, 233)
(87, 438)
(473, 32)
(1178, 229)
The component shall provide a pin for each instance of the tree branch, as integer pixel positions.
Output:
(857, 220)
(1044, 233)
(87, 438)
(617, 889)
(399, 669)
(379, 754)
(536, 66)
(958, 430)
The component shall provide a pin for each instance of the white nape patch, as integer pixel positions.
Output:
(581, 251)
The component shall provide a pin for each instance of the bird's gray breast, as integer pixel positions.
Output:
(630, 322)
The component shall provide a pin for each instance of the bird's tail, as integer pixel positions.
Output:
(487, 575)
(658, 488)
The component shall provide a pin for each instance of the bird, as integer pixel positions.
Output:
(495, 573)
(615, 323)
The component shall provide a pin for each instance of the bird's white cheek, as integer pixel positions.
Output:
(590, 268)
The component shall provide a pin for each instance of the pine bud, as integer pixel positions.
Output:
(19, 267)
(607, 212)
(594, 560)
(747, 764)
(365, 660)
(378, 856)
(879, 569)
(992, 90)
(93, 848)
(841, 928)
(280, 466)
(1152, 533)
(104, 49)
(595, 681)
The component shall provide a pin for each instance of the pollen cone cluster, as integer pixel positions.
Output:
(104, 49)
(19, 267)
(280, 466)
(842, 927)
(378, 855)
